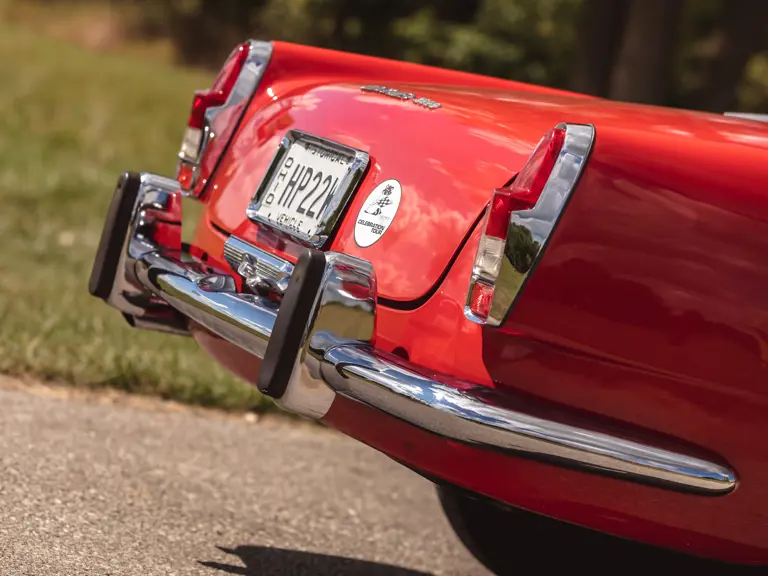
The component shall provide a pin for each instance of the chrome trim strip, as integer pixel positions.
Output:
(529, 230)
(259, 268)
(468, 416)
(159, 286)
(747, 116)
(326, 223)
(217, 123)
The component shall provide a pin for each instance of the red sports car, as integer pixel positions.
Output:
(553, 306)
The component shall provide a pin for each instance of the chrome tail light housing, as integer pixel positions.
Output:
(216, 113)
(520, 220)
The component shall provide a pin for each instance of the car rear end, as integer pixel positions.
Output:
(357, 238)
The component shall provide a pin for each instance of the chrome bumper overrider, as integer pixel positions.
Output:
(319, 343)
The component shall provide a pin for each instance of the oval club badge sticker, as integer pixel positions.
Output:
(377, 213)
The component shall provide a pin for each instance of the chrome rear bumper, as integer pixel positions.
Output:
(318, 342)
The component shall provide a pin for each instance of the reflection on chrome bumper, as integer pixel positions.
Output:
(317, 343)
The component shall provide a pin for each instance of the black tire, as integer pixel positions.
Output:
(510, 540)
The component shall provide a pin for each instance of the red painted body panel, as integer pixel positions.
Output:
(693, 524)
(649, 306)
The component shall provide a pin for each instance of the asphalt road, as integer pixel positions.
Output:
(96, 486)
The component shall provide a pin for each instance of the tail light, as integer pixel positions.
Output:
(216, 113)
(520, 219)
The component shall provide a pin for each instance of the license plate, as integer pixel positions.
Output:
(307, 186)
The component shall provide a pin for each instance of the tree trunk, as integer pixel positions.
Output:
(643, 71)
(599, 34)
(458, 10)
(744, 32)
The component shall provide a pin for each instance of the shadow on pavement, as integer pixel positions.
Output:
(261, 560)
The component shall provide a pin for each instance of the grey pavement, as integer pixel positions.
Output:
(90, 486)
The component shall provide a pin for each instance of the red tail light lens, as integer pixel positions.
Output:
(230, 72)
(201, 101)
(525, 190)
(500, 208)
(222, 87)
(480, 299)
(527, 187)
(517, 224)
(208, 130)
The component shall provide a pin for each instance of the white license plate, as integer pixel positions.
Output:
(307, 186)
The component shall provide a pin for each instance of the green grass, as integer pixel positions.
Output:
(70, 122)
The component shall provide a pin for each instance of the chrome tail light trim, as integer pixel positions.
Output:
(158, 286)
(219, 124)
(530, 230)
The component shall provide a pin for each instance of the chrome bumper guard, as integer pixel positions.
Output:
(318, 342)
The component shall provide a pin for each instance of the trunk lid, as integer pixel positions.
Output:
(448, 160)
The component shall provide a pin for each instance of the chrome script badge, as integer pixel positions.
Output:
(400, 95)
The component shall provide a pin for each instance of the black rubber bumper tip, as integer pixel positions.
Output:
(291, 323)
(113, 235)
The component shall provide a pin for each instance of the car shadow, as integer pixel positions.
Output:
(261, 560)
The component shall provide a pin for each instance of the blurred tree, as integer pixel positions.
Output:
(646, 59)
(203, 31)
(528, 40)
(363, 26)
(366, 26)
(697, 45)
(600, 29)
(690, 53)
(458, 10)
(743, 31)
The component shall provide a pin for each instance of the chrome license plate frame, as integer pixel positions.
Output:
(327, 153)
